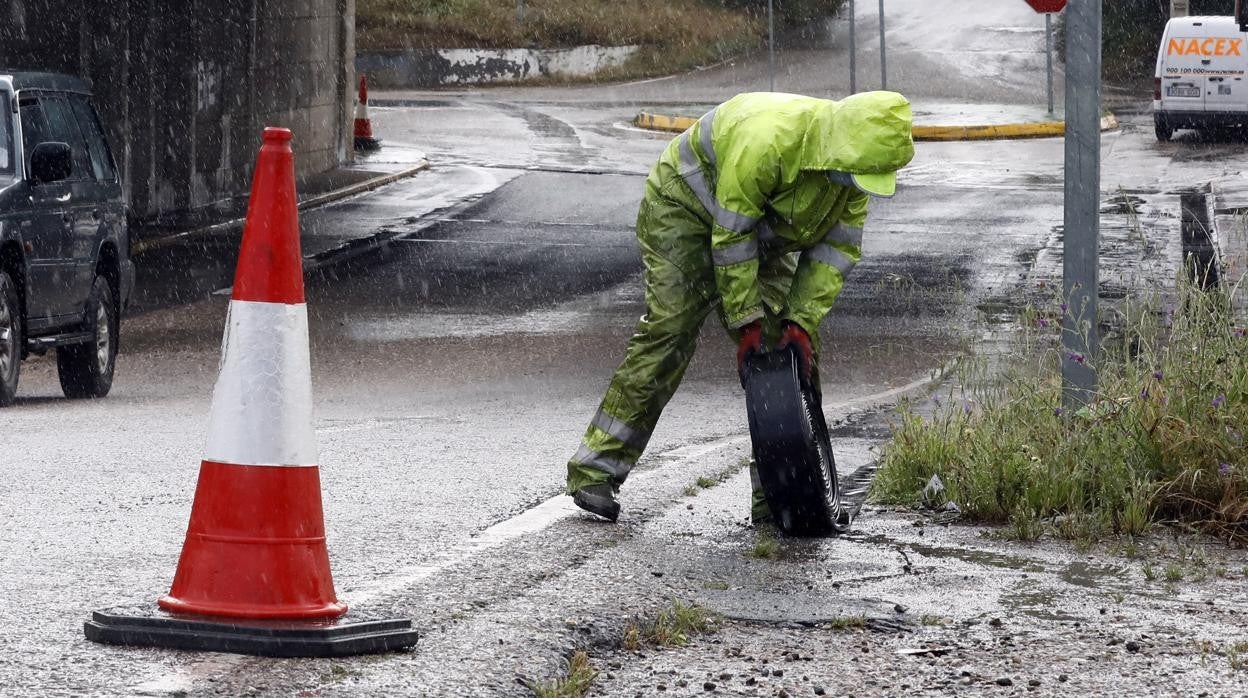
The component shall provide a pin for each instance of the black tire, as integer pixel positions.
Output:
(1162, 128)
(11, 340)
(791, 448)
(86, 370)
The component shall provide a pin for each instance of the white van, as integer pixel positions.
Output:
(1200, 80)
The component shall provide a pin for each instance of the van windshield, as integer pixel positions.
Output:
(6, 137)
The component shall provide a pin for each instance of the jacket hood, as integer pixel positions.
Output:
(866, 133)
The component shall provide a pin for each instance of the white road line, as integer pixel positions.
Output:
(560, 506)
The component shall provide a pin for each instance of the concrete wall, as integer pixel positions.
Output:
(435, 67)
(187, 86)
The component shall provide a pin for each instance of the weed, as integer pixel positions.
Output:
(716, 584)
(1173, 573)
(1163, 438)
(765, 547)
(706, 483)
(632, 637)
(578, 676)
(933, 620)
(1149, 573)
(691, 490)
(1235, 656)
(1119, 597)
(674, 626)
(848, 622)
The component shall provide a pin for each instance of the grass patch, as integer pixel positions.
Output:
(577, 679)
(764, 548)
(674, 35)
(1162, 441)
(848, 622)
(674, 626)
(1237, 656)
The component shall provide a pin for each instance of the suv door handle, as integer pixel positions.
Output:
(95, 215)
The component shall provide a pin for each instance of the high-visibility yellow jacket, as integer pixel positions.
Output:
(759, 166)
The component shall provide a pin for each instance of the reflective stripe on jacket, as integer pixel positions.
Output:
(758, 166)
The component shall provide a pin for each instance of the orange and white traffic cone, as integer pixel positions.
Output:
(364, 141)
(255, 547)
(257, 508)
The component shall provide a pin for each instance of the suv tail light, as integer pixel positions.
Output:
(1157, 89)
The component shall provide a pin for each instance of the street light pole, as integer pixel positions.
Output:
(853, 52)
(1080, 247)
(771, 46)
(883, 57)
(1048, 56)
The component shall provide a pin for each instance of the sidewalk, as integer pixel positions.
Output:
(933, 121)
(199, 227)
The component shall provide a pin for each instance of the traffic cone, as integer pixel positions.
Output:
(364, 141)
(255, 546)
(257, 510)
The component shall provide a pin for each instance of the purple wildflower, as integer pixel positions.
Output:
(1065, 307)
(1076, 357)
(1144, 394)
(1042, 322)
(1224, 469)
(1219, 401)
(1241, 332)
(1157, 374)
(966, 407)
(1057, 411)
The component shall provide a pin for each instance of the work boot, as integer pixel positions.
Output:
(598, 499)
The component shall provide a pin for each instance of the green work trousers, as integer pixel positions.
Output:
(680, 292)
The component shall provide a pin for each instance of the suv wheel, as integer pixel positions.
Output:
(86, 370)
(10, 339)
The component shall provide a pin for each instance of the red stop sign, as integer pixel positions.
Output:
(1045, 6)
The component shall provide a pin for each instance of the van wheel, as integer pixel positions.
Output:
(86, 370)
(10, 339)
(1163, 129)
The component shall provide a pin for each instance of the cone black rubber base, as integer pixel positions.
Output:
(367, 145)
(152, 627)
(791, 447)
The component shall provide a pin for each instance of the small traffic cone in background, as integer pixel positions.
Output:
(364, 141)
(255, 547)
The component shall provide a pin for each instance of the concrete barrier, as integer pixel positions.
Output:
(439, 67)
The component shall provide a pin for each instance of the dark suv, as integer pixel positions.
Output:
(65, 269)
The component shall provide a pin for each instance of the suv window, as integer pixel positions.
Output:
(6, 137)
(63, 127)
(97, 146)
(34, 126)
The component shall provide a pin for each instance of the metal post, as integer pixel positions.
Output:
(520, 11)
(1080, 335)
(883, 57)
(771, 46)
(853, 52)
(1048, 56)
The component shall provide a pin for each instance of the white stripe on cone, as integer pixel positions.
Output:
(262, 404)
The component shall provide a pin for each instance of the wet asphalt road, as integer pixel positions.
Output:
(454, 370)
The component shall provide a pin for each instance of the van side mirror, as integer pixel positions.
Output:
(1241, 15)
(51, 162)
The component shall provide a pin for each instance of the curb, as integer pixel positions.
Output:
(1041, 129)
(311, 202)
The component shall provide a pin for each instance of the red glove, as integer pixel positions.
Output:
(751, 342)
(792, 334)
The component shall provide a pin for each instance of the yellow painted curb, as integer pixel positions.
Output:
(659, 122)
(1041, 129)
